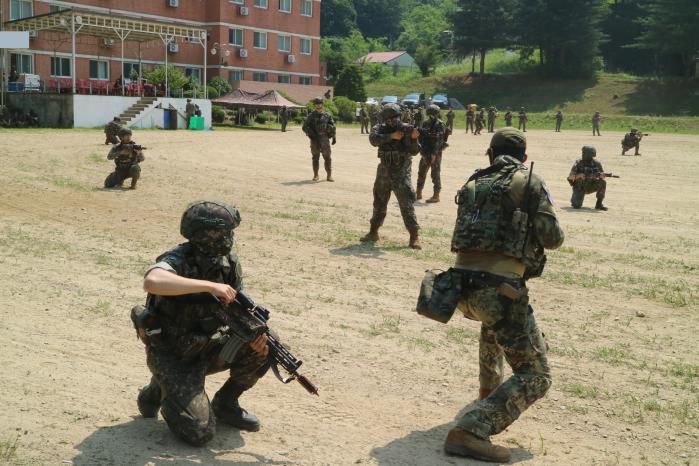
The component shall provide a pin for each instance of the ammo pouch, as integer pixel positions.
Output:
(439, 294)
(147, 325)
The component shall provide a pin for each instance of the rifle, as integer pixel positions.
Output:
(610, 175)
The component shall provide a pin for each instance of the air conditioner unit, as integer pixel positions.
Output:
(244, 11)
(173, 3)
(291, 58)
(173, 47)
(107, 42)
(243, 53)
(33, 34)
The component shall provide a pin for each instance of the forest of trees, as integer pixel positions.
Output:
(568, 38)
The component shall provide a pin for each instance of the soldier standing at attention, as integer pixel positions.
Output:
(596, 120)
(126, 155)
(470, 119)
(505, 219)
(508, 117)
(450, 119)
(432, 137)
(522, 120)
(396, 146)
(189, 111)
(284, 118)
(320, 129)
(492, 115)
(179, 286)
(480, 121)
(418, 117)
(587, 177)
(559, 121)
(364, 119)
(111, 130)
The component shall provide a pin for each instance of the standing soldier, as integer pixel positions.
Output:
(492, 115)
(522, 120)
(364, 119)
(396, 146)
(586, 177)
(432, 138)
(559, 121)
(111, 130)
(284, 118)
(418, 117)
(596, 120)
(480, 121)
(126, 155)
(505, 219)
(470, 118)
(450, 118)
(189, 111)
(373, 116)
(632, 139)
(406, 115)
(320, 129)
(508, 117)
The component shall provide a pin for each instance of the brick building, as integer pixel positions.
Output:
(276, 41)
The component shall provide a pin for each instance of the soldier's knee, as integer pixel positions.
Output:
(110, 181)
(537, 385)
(197, 429)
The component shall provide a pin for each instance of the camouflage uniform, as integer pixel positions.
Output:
(189, 111)
(320, 129)
(587, 177)
(373, 116)
(418, 117)
(126, 158)
(284, 118)
(492, 115)
(508, 118)
(596, 120)
(111, 130)
(559, 121)
(480, 121)
(631, 139)
(450, 119)
(522, 120)
(470, 118)
(364, 120)
(432, 135)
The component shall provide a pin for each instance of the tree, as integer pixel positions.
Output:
(176, 80)
(337, 18)
(378, 18)
(345, 108)
(426, 57)
(222, 86)
(350, 83)
(422, 25)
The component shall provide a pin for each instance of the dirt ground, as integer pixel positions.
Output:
(618, 303)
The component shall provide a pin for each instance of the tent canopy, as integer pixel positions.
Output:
(268, 100)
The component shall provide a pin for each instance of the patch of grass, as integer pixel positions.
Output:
(461, 335)
(103, 259)
(615, 355)
(69, 183)
(8, 449)
(102, 307)
(581, 390)
(97, 158)
(419, 342)
(688, 372)
(389, 324)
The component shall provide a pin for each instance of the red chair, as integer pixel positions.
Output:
(83, 86)
(100, 87)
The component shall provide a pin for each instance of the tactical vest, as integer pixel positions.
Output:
(487, 221)
(393, 151)
(126, 156)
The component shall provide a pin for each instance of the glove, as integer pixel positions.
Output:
(334, 141)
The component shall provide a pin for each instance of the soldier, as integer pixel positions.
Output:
(470, 118)
(111, 130)
(418, 117)
(586, 177)
(508, 117)
(126, 155)
(189, 110)
(364, 119)
(492, 115)
(505, 219)
(480, 121)
(559, 121)
(432, 138)
(596, 120)
(632, 139)
(284, 118)
(373, 116)
(450, 119)
(397, 145)
(406, 115)
(522, 120)
(187, 350)
(320, 129)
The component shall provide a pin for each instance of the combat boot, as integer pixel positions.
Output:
(414, 242)
(434, 199)
(148, 400)
(462, 443)
(418, 194)
(133, 184)
(330, 176)
(599, 205)
(227, 410)
(372, 236)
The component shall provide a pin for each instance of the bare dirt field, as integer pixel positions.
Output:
(618, 302)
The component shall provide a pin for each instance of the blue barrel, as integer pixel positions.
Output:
(166, 119)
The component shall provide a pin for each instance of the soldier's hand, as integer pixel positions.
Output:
(224, 292)
(397, 135)
(415, 133)
(260, 345)
(334, 141)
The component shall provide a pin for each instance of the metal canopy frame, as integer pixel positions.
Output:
(76, 22)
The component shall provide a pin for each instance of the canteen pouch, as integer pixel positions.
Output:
(147, 325)
(439, 295)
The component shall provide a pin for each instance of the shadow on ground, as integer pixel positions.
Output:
(300, 183)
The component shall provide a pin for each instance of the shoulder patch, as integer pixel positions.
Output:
(549, 196)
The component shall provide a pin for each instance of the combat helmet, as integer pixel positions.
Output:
(207, 215)
(124, 132)
(390, 111)
(433, 110)
(589, 152)
(509, 138)
(634, 131)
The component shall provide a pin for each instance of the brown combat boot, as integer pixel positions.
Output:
(414, 239)
(484, 393)
(418, 194)
(462, 443)
(372, 236)
(330, 176)
(434, 198)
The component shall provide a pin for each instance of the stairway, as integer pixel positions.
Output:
(132, 112)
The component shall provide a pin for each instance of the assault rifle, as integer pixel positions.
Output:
(610, 175)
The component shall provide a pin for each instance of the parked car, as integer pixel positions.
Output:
(371, 101)
(441, 100)
(413, 100)
(389, 99)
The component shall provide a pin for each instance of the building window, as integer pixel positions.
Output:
(305, 80)
(238, 2)
(306, 7)
(284, 43)
(193, 73)
(60, 67)
(21, 63)
(260, 3)
(285, 6)
(56, 9)
(259, 76)
(99, 69)
(131, 71)
(305, 46)
(236, 75)
(235, 37)
(21, 9)
(283, 78)
(259, 40)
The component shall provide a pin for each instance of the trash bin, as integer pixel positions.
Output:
(173, 118)
(196, 123)
(166, 118)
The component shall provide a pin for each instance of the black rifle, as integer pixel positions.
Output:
(610, 175)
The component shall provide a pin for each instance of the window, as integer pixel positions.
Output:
(21, 9)
(60, 67)
(238, 2)
(305, 80)
(260, 3)
(99, 69)
(193, 73)
(306, 46)
(259, 40)
(56, 9)
(259, 76)
(285, 6)
(131, 70)
(236, 75)
(306, 7)
(235, 37)
(284, 43)
(283, 78)
(22, 64)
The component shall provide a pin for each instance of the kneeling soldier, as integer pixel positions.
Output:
(126, 155)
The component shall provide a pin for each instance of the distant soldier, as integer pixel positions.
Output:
(320, 129)
(364, 119)
(432, 139)
(126, 155)
(480, 121)
(632, 139)
(418, 117)
(450, 119)
(284, 118)
(470, 119)
(522, 119)
(596, 120)
(586, 177)
(508, 117)
(492, 115)
(189, 111)
(406, 115)
(111, 130)
(559, 121)
(373, 116)
(397, 144)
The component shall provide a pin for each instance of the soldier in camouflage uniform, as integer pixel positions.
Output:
(492, 115)
(320, 129)
(450, 119)
(596, 120)
(587, 177)
(111, 130)
(433, 134)
(508, 117)
(179, 286)
(523, 118)
(397, 145)
(406, 115)
(418, 117)
(364, 119)
(559, 121)
(631, 139)
(480, 121)
(284, 118)
(373, 116)
(470, 119)
(505, 220)
(127, 156)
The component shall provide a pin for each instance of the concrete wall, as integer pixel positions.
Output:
(54, 110)
(97, 110)
(153, 116)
